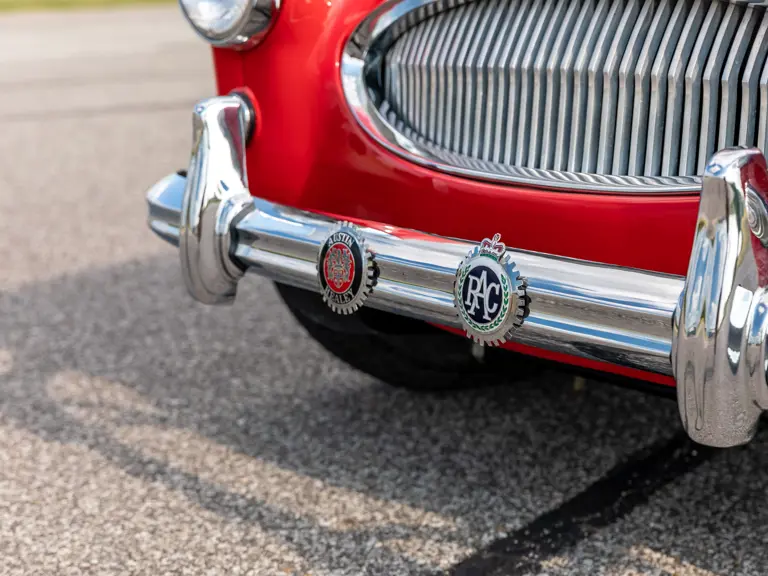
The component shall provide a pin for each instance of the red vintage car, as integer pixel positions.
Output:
(575, 181)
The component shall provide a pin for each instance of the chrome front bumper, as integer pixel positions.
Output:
(708, 330)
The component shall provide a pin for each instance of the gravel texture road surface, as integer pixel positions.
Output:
(141, 433)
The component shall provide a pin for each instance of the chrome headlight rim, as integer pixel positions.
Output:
(247, 31)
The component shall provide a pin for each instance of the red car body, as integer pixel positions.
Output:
(309, 152)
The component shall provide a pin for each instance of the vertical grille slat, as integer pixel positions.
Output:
(614, 33)
(493, 128)
(450, 78)
(396, 77)
(581, 85)
(762, 135)
(549, 16)
(502, 73)
(406, 73)
(695, 91)
(669, 153)
(729, 82)
(442, 114)
(423, 88)
(549, 112)
(484, 109)
(474, 78)
(532, 140)
(567, 82)
(463, 89)
(515, 80)
(750, 85)
(711, 85)
(646, 152)
(432, 64)
(601, 156)
(617, 87)
(615, 135)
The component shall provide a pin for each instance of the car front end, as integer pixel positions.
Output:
(576, 181)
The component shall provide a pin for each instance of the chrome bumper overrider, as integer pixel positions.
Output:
(708, 330)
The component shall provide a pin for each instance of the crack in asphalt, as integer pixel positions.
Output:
(629, 484)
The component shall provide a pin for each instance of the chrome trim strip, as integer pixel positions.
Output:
(367, 50)
(709, 329)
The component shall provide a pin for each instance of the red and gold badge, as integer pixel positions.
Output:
(346, 270)
(339, 267)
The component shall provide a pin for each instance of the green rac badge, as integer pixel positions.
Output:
(489, 293)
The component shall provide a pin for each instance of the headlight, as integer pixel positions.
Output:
(231, 22)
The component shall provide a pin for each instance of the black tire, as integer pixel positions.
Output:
(402, 352)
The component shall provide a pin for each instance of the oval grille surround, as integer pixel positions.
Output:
(612, 87)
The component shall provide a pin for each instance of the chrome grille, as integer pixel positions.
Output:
(614, 87)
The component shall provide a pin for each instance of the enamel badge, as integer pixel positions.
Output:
(489, 293)
(345, 269)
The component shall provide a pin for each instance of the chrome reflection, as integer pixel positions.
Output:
(720, 326)
(216, 191)
(164, 201)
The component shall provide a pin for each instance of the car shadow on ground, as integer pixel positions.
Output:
(229, 406)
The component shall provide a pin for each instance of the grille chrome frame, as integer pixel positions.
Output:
(366, 86)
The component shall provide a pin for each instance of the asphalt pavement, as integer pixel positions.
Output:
(141, 433)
